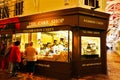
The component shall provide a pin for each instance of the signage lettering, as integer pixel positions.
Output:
(38, 30)
(90, 32)
(48, 29)
(43, 23)
(93, 21)
(43, 65)
(91, 64)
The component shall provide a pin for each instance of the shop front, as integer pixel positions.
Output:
(70, 42)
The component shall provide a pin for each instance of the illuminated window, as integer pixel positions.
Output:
(90, 47)
(51, 46)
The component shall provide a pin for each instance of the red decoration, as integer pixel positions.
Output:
(17, 25)
(113, 7)
(15, 20)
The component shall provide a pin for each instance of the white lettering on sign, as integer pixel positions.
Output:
(93, 21)
(43, 23)
(43, 65)
(38, 30)
(91, 64)
(90, 32)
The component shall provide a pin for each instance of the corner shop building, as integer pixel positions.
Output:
(80, 35)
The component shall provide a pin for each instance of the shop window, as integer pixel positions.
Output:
(90, 47)
(18, 8)
(51, 46)
(4, 12)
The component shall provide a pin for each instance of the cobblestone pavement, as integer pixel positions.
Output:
(113, 65)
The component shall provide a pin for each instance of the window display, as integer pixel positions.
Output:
(90, 47)
(51, 46)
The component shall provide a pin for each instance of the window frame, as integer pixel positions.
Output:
(4, 12)
(18, 8)
(91, 3)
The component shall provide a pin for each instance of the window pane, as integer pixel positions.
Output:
(18, 8)
(90, 2)
(4, 12)
(90, 47)
(86, 2)
(51, 46)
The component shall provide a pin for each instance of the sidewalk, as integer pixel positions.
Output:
(113, 63)
(21, 76)
(113, 66)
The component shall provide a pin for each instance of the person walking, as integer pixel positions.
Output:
(31, 57)
(15, 58)
(6, 56)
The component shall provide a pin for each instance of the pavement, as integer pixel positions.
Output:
(113, 66)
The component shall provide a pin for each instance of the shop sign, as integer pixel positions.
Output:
(91, 64)
(93, 22)
(90, 32)
(38, 30)
(43, 23)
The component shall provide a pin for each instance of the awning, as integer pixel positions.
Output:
(14, 22)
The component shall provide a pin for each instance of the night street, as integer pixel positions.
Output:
(113, 61)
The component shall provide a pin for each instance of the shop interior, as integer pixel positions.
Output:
(52, 46)
(90, 47)
(55, 45)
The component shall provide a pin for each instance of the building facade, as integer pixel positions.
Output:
(11, 8)
(69, 35)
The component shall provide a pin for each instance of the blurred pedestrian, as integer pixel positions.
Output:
(31, 57)
(15, 58)
(3, 63)
(6, 55)
(10, 64)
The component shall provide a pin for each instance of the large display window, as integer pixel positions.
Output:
(51, 46)
(90, 48)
